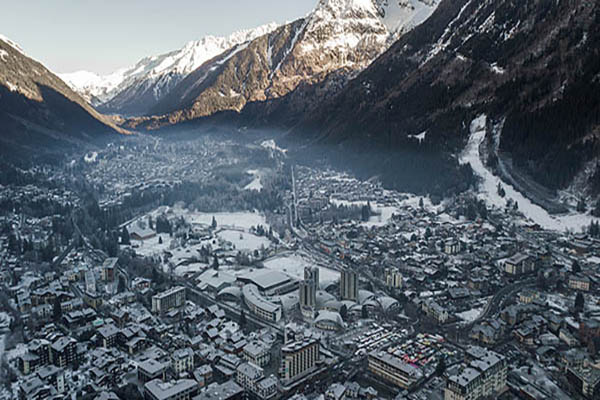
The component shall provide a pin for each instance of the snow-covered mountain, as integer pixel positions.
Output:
(339, 37)
(135, 89)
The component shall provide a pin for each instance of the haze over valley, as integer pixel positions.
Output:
(378, 199)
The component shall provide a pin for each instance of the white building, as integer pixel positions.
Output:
(166, 301)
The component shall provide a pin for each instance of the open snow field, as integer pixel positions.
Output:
(244, 240)
(294, 264)
(489, 188)
(384, 213)
(241, 219)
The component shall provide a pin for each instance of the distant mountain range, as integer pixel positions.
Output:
(136, 89)
(39, 111)
(219, 74)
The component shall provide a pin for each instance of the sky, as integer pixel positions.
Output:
(104, 35)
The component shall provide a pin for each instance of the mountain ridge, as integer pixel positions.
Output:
(338, 36)
(38, 111)
(135, 89)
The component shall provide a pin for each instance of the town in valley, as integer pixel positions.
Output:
(201, 269)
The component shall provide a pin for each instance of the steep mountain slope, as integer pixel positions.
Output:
(532, 66)
(136, 89)
(39, 113)
(339, 36)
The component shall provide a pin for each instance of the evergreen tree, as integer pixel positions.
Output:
(160, 241)
(427, 233)
(576, 268)
(579, 302)
(344, 312)
(214, 223)
(125, 239)
(365, 213)
(501, 191)
(243, 319)
(441, 367)
(121, 285)
(215, 263)
(421, 204)
(57, 310)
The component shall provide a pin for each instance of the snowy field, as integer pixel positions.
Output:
(244, 240)
(489, 188)
(236, 219)
(384, 213)
(294, 264)
(242, 219)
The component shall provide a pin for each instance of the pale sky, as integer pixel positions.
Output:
(104, 35)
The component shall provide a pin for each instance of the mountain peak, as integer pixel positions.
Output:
(150, 78)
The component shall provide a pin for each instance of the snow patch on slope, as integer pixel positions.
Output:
(488, 190)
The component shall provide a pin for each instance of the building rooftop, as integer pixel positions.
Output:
(164, 390)
(224, 391)
(397, 363)
(252, 295)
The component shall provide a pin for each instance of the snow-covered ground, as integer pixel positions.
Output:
(241, 219)
(293, 265)
(383, 216)
(256, 184)
(244, 240)
(489, 188)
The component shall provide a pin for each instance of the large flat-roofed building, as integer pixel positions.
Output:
(482, 375)
(183, 389)
(270, 282)
(520, 264)
(151, 369)
(166, 301)
(579, 282)
(393, 370)
(298, 358)
(349, 285)
(259, 305)
(585, 380)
